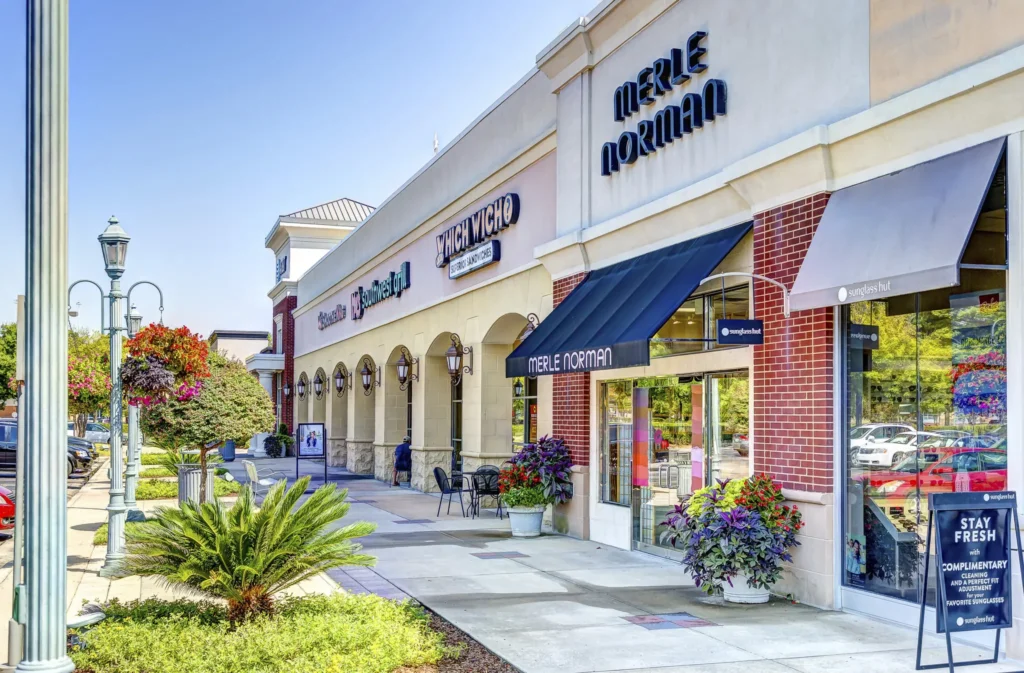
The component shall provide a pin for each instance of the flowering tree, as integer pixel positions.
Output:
(88, 376)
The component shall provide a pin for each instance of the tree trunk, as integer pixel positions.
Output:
(80, 423)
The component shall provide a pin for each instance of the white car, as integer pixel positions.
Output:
(893, 451)
(874, 433)
(94, 432)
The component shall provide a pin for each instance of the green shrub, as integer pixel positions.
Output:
(525, 496)
(99, 538)
(151, 458)
(158, 489)
(246, 555)
(314, 634)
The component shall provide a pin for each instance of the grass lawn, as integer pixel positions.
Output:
(342, 633)
(156, 489)
(99, 538)
(154, 472)
(151, 458)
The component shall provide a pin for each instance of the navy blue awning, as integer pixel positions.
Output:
(609, 319)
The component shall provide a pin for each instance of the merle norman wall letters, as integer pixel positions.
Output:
(674, 121)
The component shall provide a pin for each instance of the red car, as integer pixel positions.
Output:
(6, 509)
(941, 470)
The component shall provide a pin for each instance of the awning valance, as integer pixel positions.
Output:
(609, 319)
(898, 234)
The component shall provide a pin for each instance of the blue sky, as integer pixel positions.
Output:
(197, 123)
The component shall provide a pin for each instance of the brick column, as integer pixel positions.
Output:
(570, 418)
(285, 307)
(793, 420)
(793, 369)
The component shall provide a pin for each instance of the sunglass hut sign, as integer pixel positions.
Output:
(674, 121)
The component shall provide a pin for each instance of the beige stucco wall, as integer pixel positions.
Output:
(487, 319)
(916, 41)
(239, 349)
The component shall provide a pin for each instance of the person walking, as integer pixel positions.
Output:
(403, 460)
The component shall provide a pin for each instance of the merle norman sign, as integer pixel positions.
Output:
(674, 121)
(972, 563)
(585, 360)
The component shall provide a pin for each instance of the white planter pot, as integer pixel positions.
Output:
(739, 592)
(526, 521)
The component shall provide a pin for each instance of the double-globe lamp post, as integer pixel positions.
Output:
(114, 244)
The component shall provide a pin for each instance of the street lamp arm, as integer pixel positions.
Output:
(102, 297)
(744, 274)
(159, 291)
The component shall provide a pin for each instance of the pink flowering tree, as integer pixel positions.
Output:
(88, 376)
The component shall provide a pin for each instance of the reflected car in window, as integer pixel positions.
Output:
(895, 450)
(944, 470)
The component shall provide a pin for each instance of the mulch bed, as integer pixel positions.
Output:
(475, 658)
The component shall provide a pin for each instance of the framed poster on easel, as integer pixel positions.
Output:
(973, 567)
(310, 444)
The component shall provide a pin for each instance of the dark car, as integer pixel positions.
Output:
(78, 455)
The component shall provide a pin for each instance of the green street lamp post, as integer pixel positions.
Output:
(123, 483)
(44, 592)
(114, 244)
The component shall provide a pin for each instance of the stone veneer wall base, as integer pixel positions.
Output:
(360, 457)
(337, 452)
(424, 460)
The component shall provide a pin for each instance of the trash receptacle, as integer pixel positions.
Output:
(227, 451)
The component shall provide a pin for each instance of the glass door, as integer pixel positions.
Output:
(668, 418)
(728, 425)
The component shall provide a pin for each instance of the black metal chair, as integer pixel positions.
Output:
(485, 485)
(447, 488)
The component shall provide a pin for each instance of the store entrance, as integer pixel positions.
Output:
(686, 431)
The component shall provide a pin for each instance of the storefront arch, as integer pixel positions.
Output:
(360, 441)
(397, 408)
(319, 399)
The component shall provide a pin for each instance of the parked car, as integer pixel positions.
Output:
(895, 450)
(6, 509)
(94, 432)
(85, 444)
(78, 456)
(943, 470)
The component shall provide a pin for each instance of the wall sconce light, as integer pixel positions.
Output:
(517, 388)
(318, 385)
(340, 380)
(300, 387)
(287, 390)
(532, 323)
(404, 364)
(367, 376)
(453, 359)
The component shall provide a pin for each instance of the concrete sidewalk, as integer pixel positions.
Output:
(560, 604)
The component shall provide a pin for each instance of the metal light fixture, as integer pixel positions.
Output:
(453, 359)
(114, 243)
(287, 390)
(340, 379)
(367, 376)
(532, 323)
(404, 364)
(134, 319)
(300, 387)
(517, 388)
(318, 386)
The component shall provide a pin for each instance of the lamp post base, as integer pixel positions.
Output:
(62, 665)
(111, 567)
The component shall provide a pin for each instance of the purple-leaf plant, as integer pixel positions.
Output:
(549, 458)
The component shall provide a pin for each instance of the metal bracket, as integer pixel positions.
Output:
(743, 274)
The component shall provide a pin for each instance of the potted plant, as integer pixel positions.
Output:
(523, 494)
(735, 536)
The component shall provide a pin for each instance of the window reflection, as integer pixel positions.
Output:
(926, 412)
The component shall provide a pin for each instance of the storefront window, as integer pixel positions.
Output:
(925, 405)
(456, 408)
(408, 412)
(616, 441)
(691, 329)
(524, 411)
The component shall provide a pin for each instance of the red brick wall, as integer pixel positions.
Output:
(285, 307)
(793, 420)
(571, 394)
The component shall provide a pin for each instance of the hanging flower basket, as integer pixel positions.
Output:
(146, 381)
(164, 363)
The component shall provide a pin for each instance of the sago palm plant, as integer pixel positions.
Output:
(246, 554)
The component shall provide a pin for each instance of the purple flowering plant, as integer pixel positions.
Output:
(722, 538)
(549, 459)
